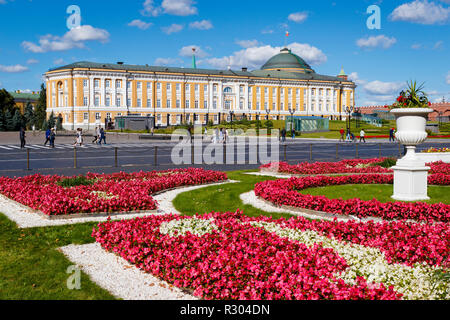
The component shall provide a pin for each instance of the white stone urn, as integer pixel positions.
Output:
(410, 173)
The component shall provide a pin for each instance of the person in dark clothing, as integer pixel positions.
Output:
(283, 135)
(22, 138)
(52, 138)
(102, 136)
(47, 136)
(293, 133)
(391, 135)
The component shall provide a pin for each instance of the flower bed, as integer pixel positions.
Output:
(436, 150)
(286, 193)
(230, 256)
(118, 192)
(344, 166)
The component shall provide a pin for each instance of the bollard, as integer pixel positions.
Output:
(285, 153)
(115, 156)
(75, 157)
(357, 151)
(337, 151)
(379, 151)
(28, 159)
(156, 156)
(225, 153)
(192, 154)
(311, 152)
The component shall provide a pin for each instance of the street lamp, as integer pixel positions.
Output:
(292, 111)
(349, 111)
(231, 118)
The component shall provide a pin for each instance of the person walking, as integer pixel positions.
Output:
(96, 135)
(349, 136)
(22, 137)
(102, 136)
(52, 138)
(47, 136)
(283, 135)
(79, 140)
(362, 136)
(342, 132)
(293, 133)
(392, 135)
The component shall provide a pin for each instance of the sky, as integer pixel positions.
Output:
(409, 41)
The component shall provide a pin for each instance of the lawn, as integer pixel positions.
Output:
(382, 193)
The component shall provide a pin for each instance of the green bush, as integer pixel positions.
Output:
(75, 182)
(386, 163)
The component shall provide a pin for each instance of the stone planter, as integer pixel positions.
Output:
(434, 157)
(410, 173)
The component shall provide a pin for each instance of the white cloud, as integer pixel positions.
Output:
(416, 46)
(167, 62)
(149, 9)
(255, 57)
(32, 61)
(140, 24)
(381, 89)
(179, 7)
(422, 12)
(374, 42)
(74, 38)
(356, 79)
(187, 51)
(438, 45)
(448, 78)
(267, 31)
(58, 62)
(174, 28)
(298, 17)
(248, 43)
(13, 69)
(201, 25)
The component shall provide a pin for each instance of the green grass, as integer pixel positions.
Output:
(223, 198)
(369, 192)
(32, 268)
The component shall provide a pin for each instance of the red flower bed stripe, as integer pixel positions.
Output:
(237, 261)
(126, 192)
(285, 193)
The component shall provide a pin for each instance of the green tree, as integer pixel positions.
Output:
(29, 116)
(2, 121)
(9, 124)
(40, 112)
(7, 102)
(59, 122)
(17, 120)
(51, 120)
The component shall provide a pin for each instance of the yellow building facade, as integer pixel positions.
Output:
(86, 93)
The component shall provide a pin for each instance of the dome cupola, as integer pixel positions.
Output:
(288, 62)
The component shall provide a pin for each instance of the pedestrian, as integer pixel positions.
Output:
(216, 135)
(22, 137)
(349, 136)
(226, 135)
(79, 140)
(392, 135)
(47, 136)
(293, 133)
(52, 138)
(102, 136)
(221, 135)
(96, 135)
(362, 136)
(342, 132)
(283, 135)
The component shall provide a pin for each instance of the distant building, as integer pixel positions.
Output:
(441, 109)
(86, 93)
(23, 98)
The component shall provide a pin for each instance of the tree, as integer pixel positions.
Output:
(51, 120)
(17, 120)
(7, 102)
(29, 116)
(59, 121)
(2, 121)
(40, 114)
(9, 124)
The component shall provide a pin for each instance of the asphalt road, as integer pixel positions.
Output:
(135, 156)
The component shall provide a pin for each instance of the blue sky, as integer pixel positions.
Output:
(413, 42)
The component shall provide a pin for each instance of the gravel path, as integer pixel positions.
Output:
(26, 218)
(270, 174)
(119, 277)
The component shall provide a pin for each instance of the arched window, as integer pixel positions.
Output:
(228, 90)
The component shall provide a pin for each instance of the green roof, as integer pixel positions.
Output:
(248, 74)
(25, 96)
(287, 60)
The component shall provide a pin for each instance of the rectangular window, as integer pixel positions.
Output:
(108, 101)
(139, 85)
(118, 83)
(158, 86)
(178, 86)
(96, 83)
(85, 83)
(197, 88)
(129, 102)
(187, 104)
(128, 85)
(139, 102)
(118, 102)
(205, 104)
(97, 116)
(158, 103)
(215, 104)
(107, 83)
(97, 101)
(178, 104)
(169, 87)
(169, 103)
(149, 103)
(188, 88)
(196, 104)
(85, 116)
(85, 101)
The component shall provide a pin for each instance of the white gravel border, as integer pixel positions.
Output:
(119, 277)
(250, 198)
(27, 218)
(269, 174)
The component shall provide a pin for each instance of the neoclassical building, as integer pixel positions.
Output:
(85, 93)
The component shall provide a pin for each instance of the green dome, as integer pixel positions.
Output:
(287, 61)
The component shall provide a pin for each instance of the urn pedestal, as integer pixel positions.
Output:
(411, 173)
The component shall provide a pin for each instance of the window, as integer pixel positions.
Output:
(178, 104)
(178, 86)
(187, 104)
(107, 83)
(228, 90)
(129, 102)
(85, 101)
(108, 115)
(274, 91)
(118, 101)
(205, 89)
(96, 83)
(241, 89)
(128, 85)
(197, 88)
(158, 86)
(205, 104)
(257, 105)
(215, 104)
(258, 90)
(215, 88)
(97, 101)
(139, 102)
(97, 116)
(196, 104)
(149, 103)
(85, 116)
(139, 85)
(290, 91)
(188, 88)
(274, 106)
(108, 101)
(266, 90)
(158, 103)
(227, 104)
(118, 83)
(85, 83)
(169, 103)
(241, 104)
(158, 117)
(169, 87)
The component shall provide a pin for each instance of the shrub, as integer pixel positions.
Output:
(75, 182)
